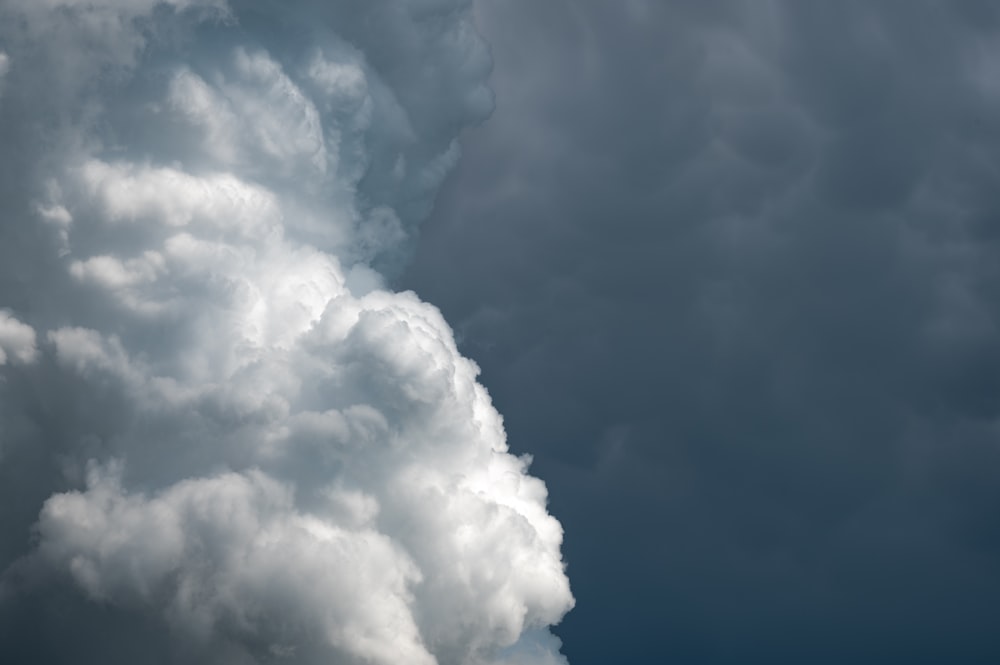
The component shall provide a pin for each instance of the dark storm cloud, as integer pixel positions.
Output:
(731, 269)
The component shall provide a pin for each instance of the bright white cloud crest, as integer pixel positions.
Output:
(259, 445)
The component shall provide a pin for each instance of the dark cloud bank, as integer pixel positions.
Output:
(731, 271)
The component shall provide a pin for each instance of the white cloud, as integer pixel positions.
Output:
(282, 458)
(170, 197)
(17, 340)
(232, 555)
(4, 68)
(257, 119)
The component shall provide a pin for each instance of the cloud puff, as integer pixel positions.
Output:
(4, 66)
(247, 439)
(17, 340)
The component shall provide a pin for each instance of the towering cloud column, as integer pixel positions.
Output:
(219, 431)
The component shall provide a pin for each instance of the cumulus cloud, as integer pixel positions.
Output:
(235, 430)
(17, 340)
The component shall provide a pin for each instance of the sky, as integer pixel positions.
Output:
(499, 332)
(731, 271)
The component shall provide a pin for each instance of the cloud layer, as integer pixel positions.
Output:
(730, 269)
(216, 421)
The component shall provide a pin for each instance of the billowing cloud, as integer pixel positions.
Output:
(231, 429)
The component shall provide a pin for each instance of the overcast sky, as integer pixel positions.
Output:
(499, 332)
(732, 272)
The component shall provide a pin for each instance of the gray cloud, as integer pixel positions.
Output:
(729, 270)
(223, 440)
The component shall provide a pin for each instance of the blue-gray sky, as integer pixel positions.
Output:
(731, 271)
